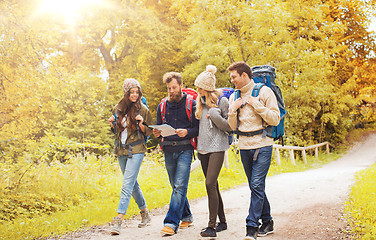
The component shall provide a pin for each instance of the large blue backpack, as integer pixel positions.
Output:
(265, 76)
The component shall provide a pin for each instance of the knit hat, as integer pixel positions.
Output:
(206, 79)
(130, 83)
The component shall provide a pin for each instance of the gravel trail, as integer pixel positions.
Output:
(305, 205)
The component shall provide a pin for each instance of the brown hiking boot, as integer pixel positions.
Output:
(145, 218)
(185, 224)
(116, 226)
(167, 231)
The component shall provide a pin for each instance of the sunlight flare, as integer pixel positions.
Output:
(69, 9)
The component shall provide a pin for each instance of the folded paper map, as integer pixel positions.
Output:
(166, 129)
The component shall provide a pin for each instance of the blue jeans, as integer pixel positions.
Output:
(130, 168)
(178, 165)
(256, 172)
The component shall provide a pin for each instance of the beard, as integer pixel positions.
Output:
(175, 98)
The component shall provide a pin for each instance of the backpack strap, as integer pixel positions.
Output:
(116, 115)
(219, 99)
(139, 132)
(163, 109)
(113, 129)
(130, 145)
(256, 89)
(189, 111)
(237, 96)
(189, 108)
(255, 92)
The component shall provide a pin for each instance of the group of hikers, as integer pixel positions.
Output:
(212, 118)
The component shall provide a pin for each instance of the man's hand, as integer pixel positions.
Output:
(181, 132)
(252, 100)
(157, 133)
(111, 119)
(237, 104)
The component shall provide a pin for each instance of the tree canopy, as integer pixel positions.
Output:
(61, 74)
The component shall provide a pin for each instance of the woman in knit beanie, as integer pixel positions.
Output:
(212, 111)
(130, 133)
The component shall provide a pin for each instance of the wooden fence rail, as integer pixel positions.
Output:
(196, 164)
(303, 149)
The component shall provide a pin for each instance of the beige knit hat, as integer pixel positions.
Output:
(130, 83)
(206, 79)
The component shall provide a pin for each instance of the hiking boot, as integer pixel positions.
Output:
(221, 226)
(266, 228)
(167, 231)
(251, 233)
(116, 226)
(208, 232)
(145, 218)
(185, 224)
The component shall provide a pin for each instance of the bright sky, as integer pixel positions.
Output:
(372, 26)
(69, 9)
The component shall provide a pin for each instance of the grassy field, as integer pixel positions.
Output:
(85, 191)
(360, 209)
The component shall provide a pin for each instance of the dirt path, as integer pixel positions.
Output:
(305, 205)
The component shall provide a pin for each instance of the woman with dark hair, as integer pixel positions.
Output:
(130, 133)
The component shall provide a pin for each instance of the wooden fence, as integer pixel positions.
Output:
(303, 149)
(277, 148)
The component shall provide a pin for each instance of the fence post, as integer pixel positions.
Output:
(304, 156)
(327, 148)
(292, 156)
(317, 152)
(225, 162)
(195, 165)
(277, 157)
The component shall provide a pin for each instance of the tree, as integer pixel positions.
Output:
(298, 40)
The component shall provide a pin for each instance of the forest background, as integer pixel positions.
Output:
(62, 64)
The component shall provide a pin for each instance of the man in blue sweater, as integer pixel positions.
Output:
(177, 149)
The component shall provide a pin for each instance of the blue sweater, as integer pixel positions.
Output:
(176, 116)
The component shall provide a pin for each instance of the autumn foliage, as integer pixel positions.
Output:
(60, 76)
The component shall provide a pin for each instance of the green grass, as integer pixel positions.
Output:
(360, 209)
(86, 191)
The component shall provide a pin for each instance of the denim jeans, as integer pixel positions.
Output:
(130, 168)
(178, 165)
(256, 172)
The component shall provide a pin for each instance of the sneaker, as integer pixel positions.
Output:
(167, 231)
(251, 233)
(208, 232)
(266, 228)
(145, 218)
(221, 226)
(185, 224)
(116, 226)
